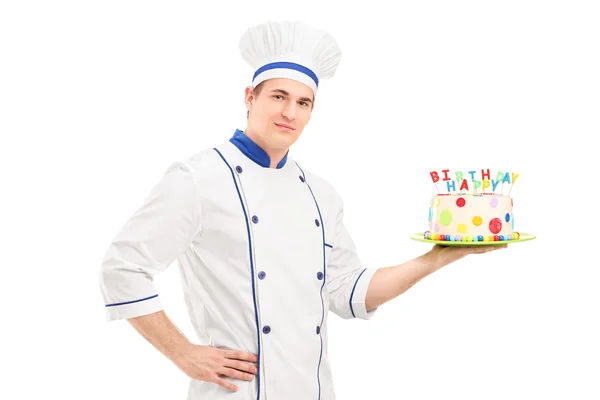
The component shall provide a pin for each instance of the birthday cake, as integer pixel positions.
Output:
(474, 210)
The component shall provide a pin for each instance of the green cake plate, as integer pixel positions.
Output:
(523, 237)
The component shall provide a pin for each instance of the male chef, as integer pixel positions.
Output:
(260, 242)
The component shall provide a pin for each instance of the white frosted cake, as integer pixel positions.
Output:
(471, 218)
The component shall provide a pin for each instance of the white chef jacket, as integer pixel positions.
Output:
(263, 254)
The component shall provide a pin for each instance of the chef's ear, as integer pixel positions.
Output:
(248, 97)
(249, 94)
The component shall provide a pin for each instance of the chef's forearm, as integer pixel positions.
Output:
(158, 329)
(390, 282)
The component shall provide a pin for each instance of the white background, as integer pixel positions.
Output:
(97, 98)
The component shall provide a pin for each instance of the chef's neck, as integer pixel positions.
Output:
(275, 154)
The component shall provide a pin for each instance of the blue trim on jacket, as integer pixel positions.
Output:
(254, 151)
(129, 302)
(324, 279)
(251, 270)
(352, 294)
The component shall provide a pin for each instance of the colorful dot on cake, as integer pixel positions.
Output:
(486, 238)
(494, 202)
(445, 217)
(477, 220)
(509, 237)
(496, 238)
(502, 237)
(517, 235)
(507, 217)
(430, 213)
(495, 225)
(436, 227)
(461, 202)
(512, 223)
(469, 238)
(435, 202)
(458, 238)
(447, 237)
(475, 239)
(462, 228)
(480, 238)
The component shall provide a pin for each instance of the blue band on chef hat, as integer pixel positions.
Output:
(288, 65)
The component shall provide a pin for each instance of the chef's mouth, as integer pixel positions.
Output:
(287, 127)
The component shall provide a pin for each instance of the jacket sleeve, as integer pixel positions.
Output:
(347, 278)
(152, 239)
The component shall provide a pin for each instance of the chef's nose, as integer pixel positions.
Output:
(289, 110)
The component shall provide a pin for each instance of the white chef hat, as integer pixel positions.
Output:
(290, 49)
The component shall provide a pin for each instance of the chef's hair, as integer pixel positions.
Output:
(256, 92)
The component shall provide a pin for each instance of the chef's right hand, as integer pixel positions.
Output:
(210, 364)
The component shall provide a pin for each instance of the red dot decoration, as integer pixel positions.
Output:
(495, 225)
(460, 202)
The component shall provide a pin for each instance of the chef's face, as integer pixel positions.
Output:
(278, 114)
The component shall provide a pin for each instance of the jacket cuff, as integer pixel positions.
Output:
(134, 308)
(359, 294)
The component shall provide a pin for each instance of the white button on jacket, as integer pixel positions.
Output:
(264, 255)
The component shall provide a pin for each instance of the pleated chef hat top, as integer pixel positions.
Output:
(290, 49)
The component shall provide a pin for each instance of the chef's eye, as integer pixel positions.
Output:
(278, 96)
(304, 104)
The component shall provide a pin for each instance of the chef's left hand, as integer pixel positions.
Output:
(443, 255)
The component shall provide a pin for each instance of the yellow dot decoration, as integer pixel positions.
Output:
(462, 228)
(477, 221)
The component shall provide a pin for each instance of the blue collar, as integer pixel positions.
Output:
(253, 151)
